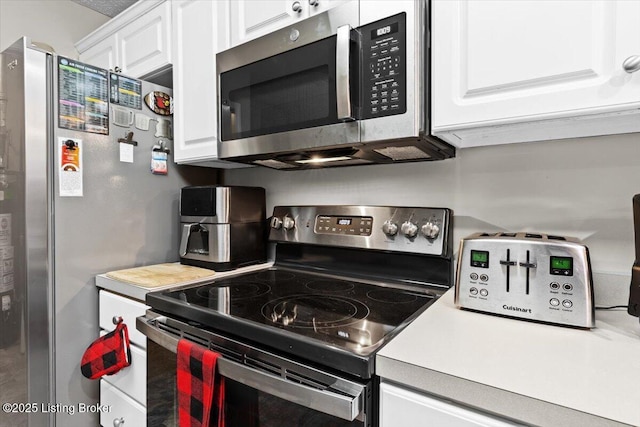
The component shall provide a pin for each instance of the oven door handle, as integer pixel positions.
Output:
(343, 72)
(342, 405)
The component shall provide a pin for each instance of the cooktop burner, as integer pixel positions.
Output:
(348, 314)
(314, 311)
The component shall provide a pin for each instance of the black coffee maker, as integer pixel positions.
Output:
(634, 291)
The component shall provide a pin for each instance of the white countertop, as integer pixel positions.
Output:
(139, 293)
(532, 372)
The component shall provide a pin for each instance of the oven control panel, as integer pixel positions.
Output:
(526, 275)
(417, 230)
(384, 67)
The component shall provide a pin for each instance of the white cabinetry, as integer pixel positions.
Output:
(514, 71)
(400, 407)
(136, 42)
(254, 18)
(126, 391)
(200, 30)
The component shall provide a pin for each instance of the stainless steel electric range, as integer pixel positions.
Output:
(298, 340)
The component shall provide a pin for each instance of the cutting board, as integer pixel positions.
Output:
(155, 276)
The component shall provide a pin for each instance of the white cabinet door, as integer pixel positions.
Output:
(103, 54)
(200, 31)
(253, 18)
(145, 43)
(319, 6)
(122, 409)
(136, 42)
(505, 62)
(400, 407)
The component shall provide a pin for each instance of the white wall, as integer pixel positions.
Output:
(58, 23)
(579, 187)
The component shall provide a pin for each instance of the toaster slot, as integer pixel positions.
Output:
(528, 265)
(508, 263)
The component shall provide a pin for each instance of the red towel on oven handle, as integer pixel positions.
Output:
(200, 388)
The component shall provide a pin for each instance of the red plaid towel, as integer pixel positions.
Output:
(200, 390)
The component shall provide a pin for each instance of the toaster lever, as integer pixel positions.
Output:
(508, 263)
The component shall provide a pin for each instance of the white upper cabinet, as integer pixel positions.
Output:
(513, 71)
(137, 42)
(200, 30)
(254, 18)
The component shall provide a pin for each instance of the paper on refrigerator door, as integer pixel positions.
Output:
(70, 171)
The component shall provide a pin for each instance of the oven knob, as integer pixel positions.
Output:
(276, 222)
(409, 229)
(288, 223)
(430, 230)
(390, 228)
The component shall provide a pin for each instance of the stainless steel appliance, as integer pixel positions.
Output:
(634, 288)
(76, 211)
(298, 340)
(222, 227)
(529, 276)
(349, 86)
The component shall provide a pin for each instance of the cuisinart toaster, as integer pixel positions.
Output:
(529, 276)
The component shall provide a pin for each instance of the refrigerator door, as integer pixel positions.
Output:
(26, 362)
(81, 203)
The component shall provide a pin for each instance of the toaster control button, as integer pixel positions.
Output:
(473, 291)
(554, 286)
(528, 264)
(473, 276)
(484, 292)
(567, 303)
(484, 278)
(568, 287)
(554, 302)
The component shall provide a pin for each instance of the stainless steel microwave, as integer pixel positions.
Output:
(348, 86)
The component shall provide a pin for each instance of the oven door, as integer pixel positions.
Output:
(295, 89)
(261, 389)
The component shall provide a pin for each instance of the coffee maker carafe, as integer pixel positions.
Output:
(222, 227)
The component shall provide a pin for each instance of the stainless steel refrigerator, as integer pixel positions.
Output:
(77, 198)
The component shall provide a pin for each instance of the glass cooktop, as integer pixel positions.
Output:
(267, 305)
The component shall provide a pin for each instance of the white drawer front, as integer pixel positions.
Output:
(115, 305)
(132, 380)
(120, 406)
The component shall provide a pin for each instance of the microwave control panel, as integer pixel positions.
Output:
(384, 57)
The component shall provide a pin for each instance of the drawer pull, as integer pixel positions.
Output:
(117, 422)
(116, 319)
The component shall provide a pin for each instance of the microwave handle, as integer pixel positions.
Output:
(343, 84)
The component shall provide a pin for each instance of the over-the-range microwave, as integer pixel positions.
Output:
(348, 86)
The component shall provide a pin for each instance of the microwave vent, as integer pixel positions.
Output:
(403, 153)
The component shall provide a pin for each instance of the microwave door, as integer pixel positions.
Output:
(293, 101)
(293, 90)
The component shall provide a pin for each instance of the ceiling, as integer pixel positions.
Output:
(109, 8)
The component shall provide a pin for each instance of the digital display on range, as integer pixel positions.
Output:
(354, 226)
(561, 265)
(480, 259)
